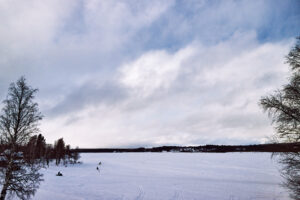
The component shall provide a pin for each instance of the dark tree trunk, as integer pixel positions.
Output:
(6, 184)
(3, 192)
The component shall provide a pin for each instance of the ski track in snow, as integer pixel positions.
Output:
(165, 176)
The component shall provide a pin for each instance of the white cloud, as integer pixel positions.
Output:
(216, 103)
(153, 70)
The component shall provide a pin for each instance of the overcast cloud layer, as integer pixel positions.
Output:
(149, 73)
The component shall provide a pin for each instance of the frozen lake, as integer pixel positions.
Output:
(166, 176)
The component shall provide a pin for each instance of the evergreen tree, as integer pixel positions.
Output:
(40, 146)
(59, 148)
(31, 149)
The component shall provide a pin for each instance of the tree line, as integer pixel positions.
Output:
(272, 147)
(38, 151)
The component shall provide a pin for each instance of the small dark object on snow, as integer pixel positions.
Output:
(99, 163)
(97, 168)
(59, 174)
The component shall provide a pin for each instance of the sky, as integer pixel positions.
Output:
(149, 73)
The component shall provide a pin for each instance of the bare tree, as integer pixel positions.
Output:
(75, 155)
(290, 171)
(24, 178)
(284, 105)
(284, 108)
(18, 121)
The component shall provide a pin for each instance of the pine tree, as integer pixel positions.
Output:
(59, 147)
(40, 146)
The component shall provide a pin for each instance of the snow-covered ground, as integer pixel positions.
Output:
(168, 176)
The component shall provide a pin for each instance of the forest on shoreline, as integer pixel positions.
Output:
(275, 147)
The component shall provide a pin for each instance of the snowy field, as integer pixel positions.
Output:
(167, 176)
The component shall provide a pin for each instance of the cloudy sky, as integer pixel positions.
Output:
(148, 73)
